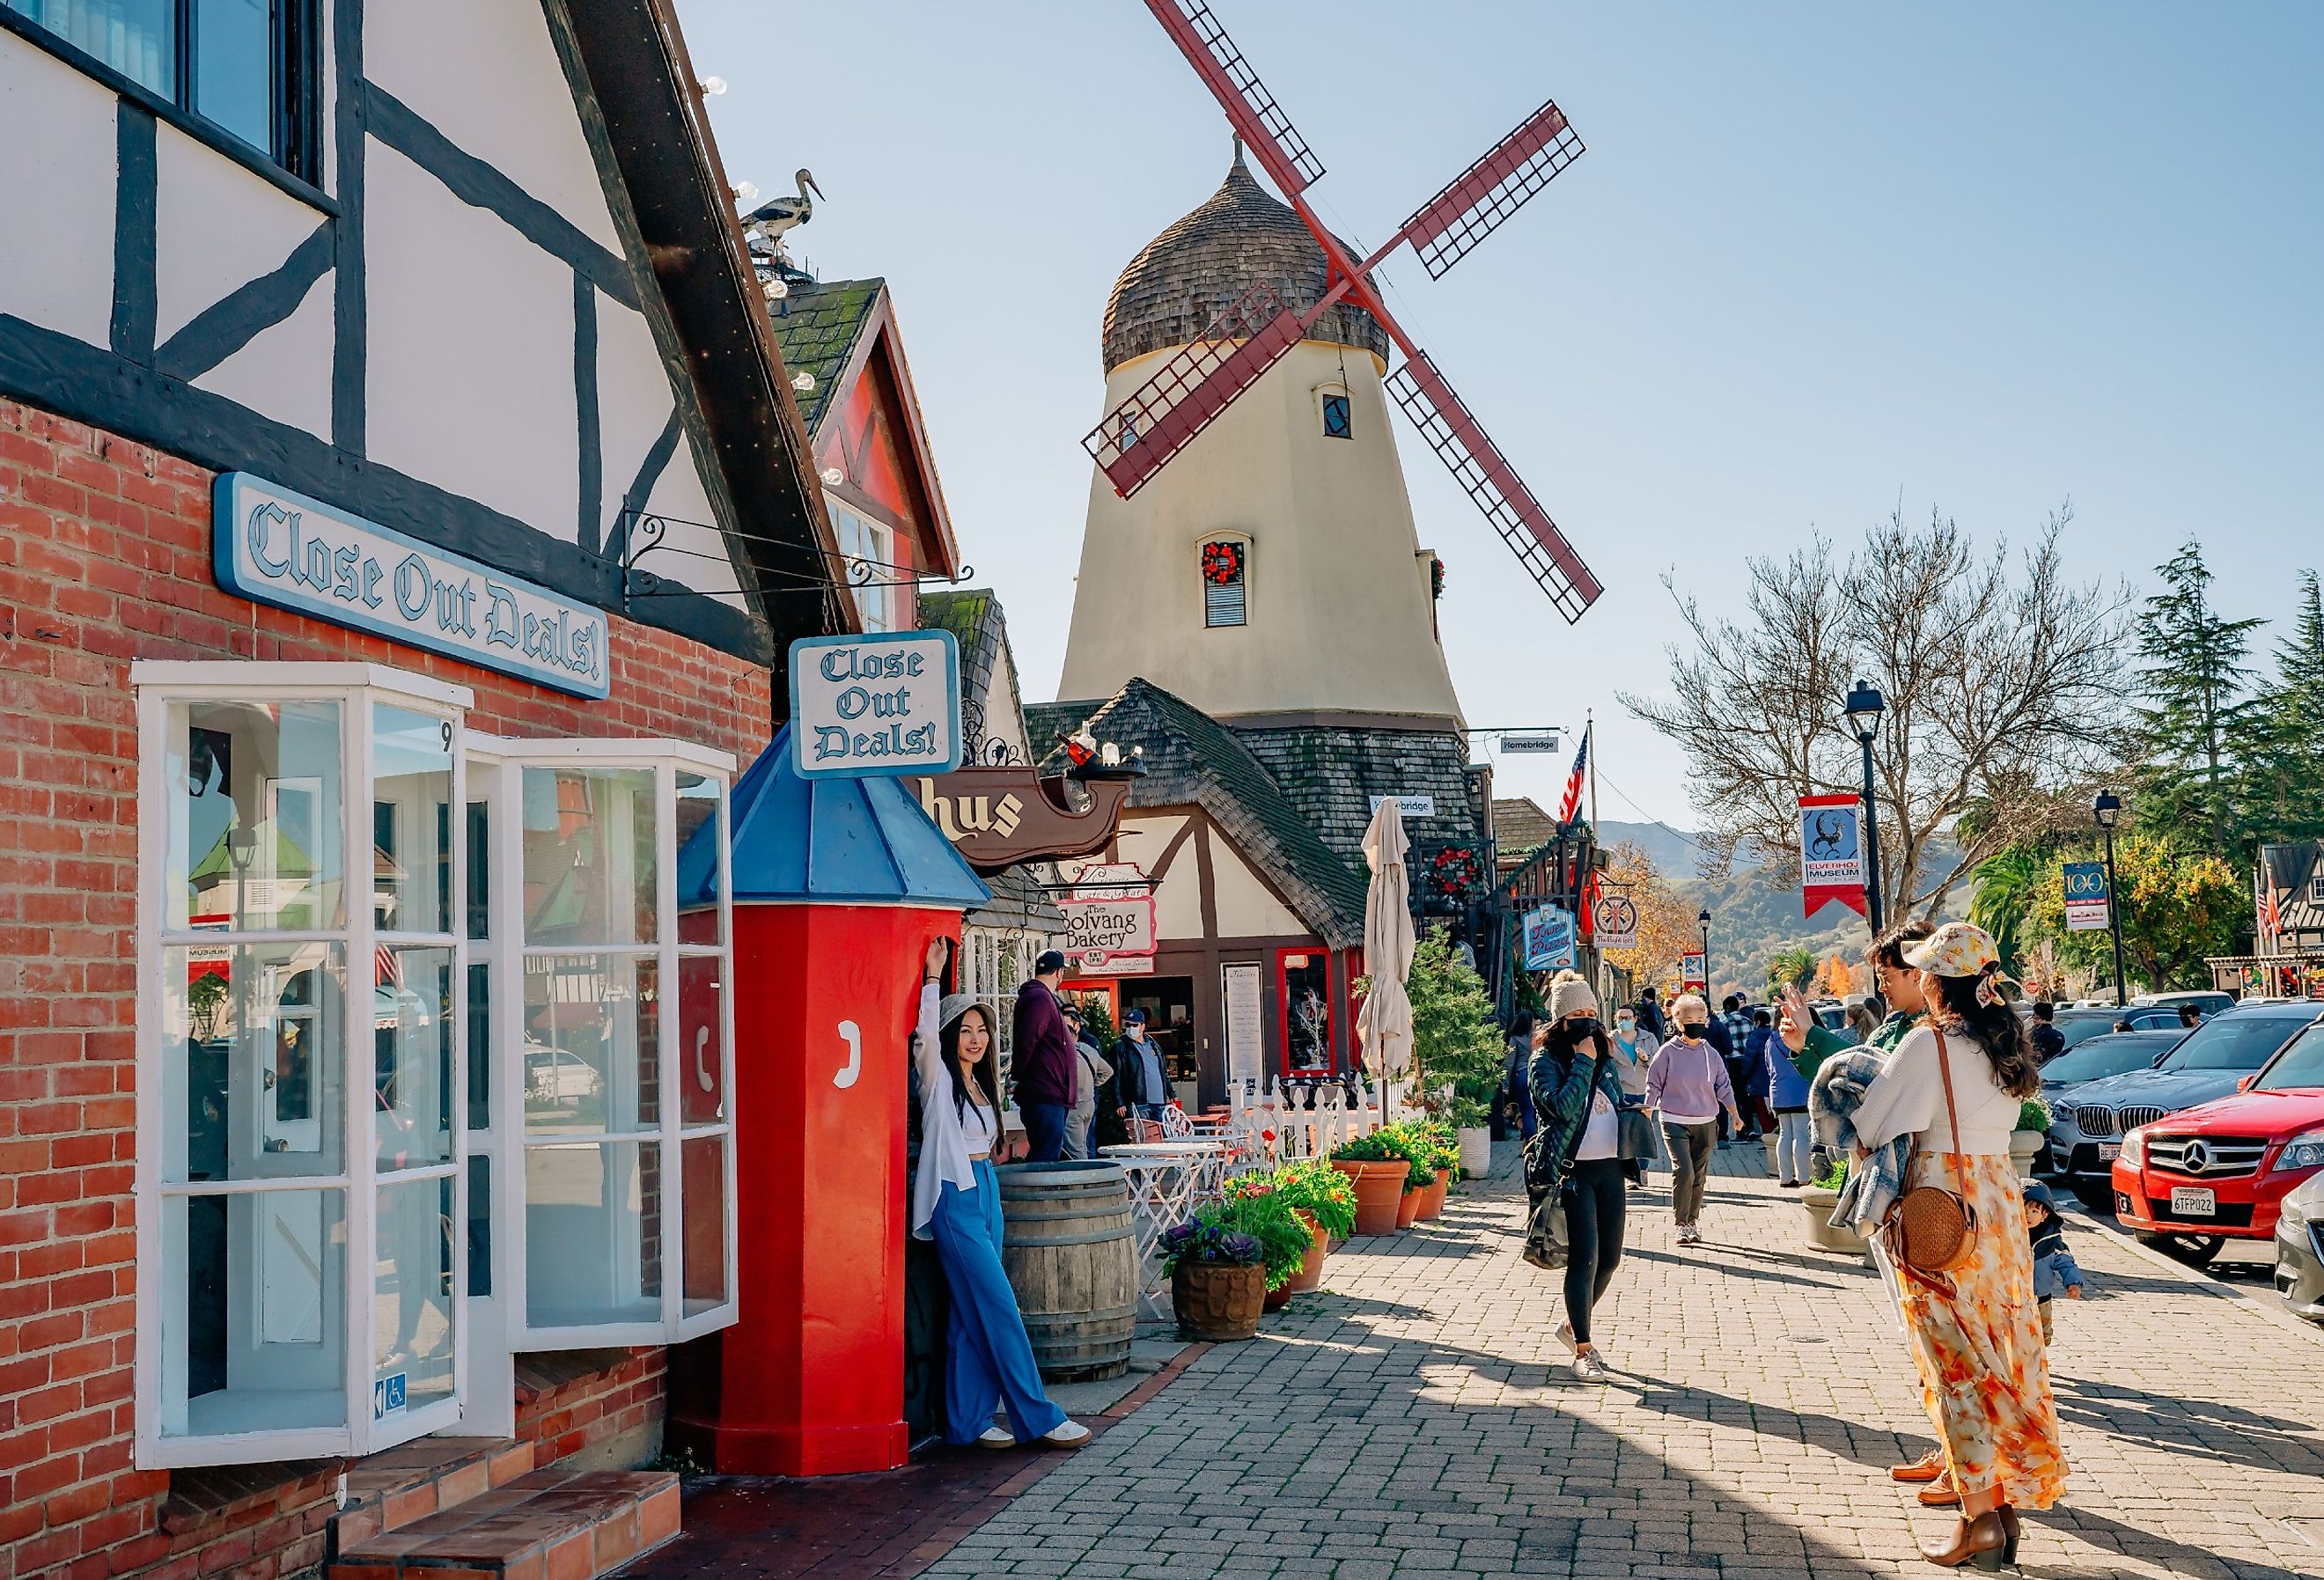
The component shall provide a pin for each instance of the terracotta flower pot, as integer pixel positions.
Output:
(1218, 1301)
(1310, 1275)
(1379, 1188)
(1277, 1299)
(1407, 1206)
(1432, 1197)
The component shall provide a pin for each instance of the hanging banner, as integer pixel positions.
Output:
(1693, 973)
(1831, 852)
(1549, 939)
(1096, 931)
(883, 704)
(2089, 907)
(1614, 922)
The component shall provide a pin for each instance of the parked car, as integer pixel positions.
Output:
(2220, 1171)
(2205, 1063)
(2210, 1000)
(2299, 1248)
(2069, 1152)
(2078, 1026)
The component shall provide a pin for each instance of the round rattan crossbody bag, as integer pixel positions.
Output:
(1929, 1229)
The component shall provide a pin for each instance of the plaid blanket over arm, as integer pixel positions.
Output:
(1833, 1100)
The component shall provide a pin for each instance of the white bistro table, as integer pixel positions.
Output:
(1167, 1180)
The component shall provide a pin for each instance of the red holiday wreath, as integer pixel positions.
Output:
(1455, 871)
(1222, 563)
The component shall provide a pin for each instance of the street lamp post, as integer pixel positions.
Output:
(1705, 920)
(1864, 706)
(2106, 807)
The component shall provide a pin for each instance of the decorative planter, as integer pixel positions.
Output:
(1432, 1197)
(1277, 1299)
(1818, 1204)
(1379, 1190)
(2024, 1147)
(1218, 1301)
(1310, 1276)
(1407, 1206)
(1476, 1152)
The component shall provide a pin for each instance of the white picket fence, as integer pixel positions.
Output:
(1296, 1130)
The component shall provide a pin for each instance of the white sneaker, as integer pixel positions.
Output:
(1565, 1334)
(1588, 1367)
(1066, 1435)
(997, 1438)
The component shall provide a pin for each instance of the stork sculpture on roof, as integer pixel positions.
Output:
(1141, 434)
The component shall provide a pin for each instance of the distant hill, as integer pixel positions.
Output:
(1753, 916)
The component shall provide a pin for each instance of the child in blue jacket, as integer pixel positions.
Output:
(2055, 1270)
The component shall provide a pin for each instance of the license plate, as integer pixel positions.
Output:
(2188, 1202)
(2110, 1151)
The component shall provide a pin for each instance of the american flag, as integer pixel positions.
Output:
(2270, 920)
(1571, 803)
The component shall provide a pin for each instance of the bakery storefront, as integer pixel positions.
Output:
(398, 566)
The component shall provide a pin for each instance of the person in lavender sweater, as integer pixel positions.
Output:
(1687, 1089)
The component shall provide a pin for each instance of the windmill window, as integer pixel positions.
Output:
(249, 69)
(1337, 423)
(1226, 580)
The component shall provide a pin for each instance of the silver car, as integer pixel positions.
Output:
(2300, 1249)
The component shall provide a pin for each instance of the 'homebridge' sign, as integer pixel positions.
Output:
(274, 546)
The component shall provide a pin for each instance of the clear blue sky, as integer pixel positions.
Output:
(1818, 258)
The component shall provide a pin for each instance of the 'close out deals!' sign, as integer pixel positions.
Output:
(1831, 852)
(881, 705)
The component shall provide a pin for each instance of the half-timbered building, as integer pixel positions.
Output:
(404, 512)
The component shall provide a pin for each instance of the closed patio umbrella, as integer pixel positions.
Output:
(1386, 1023)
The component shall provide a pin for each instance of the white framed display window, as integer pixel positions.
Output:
(301, 1133)
(612, 1042)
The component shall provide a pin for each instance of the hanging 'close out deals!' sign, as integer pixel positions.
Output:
(887, 704)
(274, 546)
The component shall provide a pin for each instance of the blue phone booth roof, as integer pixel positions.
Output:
(837, 841)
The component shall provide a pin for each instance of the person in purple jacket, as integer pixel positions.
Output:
(1046, 1065)
(1687, 1088)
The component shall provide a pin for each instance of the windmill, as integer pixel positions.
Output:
(1141, 436)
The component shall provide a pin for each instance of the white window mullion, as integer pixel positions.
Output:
(672, 1170)
(358, 884)
(456, 817)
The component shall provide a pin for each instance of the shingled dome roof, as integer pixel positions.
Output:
(1196, 269)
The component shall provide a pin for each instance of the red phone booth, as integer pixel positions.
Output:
(839, 884)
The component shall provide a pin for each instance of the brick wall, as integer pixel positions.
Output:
(105, 556)
(570, 1403)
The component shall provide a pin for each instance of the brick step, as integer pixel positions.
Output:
(412, 1481)
(548, 1525)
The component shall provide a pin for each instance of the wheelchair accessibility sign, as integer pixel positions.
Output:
(388, 1395)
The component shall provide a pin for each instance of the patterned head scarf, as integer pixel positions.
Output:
(1961, 948)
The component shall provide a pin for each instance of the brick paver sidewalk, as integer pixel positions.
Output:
(1416, 1418)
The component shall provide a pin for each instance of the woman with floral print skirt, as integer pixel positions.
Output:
(1975, 1332)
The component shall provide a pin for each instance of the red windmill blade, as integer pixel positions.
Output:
(1137, 438)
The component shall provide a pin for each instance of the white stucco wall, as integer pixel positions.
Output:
(484, 73)
(1339, 610)
(1247, 908)
(56, 194)
(1178, 898)
(285, 371)
(215, 228)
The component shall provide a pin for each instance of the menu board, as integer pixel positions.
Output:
(1240, 986)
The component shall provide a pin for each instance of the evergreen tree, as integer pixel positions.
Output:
(2195, 728)
(2284, 790)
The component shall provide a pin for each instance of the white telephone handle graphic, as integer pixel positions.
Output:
(701, 1065)
(851, 1035)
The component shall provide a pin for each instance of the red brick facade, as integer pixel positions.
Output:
(105, 556)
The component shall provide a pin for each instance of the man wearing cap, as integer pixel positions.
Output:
(1046, 1065)
(1141, 1086)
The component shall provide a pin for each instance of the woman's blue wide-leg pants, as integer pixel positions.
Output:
(988, 1360)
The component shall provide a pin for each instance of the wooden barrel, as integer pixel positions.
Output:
(1068, 1249)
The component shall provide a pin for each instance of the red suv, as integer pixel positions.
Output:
(2195, 1180)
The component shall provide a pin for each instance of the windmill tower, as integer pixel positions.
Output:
(1273, 572)
(1250, 544)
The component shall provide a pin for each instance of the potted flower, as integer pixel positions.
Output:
(1818, 1200)
(1444, 1156)
(1326, 1199)
(1218, 1277)
(1258, 1207)
(2031, 1136)
(1405, 1141)
(1378, 1172)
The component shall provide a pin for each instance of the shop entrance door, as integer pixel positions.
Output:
(1169, 1005)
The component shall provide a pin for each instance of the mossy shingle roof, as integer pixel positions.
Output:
(817, 327)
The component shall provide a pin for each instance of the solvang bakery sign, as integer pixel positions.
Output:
(275, 546)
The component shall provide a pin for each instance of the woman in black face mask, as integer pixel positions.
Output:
(1577, 1094)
